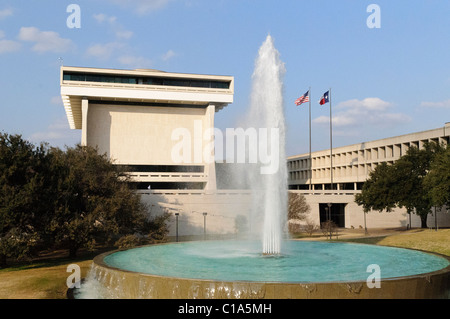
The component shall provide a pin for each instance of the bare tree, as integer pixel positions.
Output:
(298, 207)
(310, 227)
(298, 210)
(329, 229)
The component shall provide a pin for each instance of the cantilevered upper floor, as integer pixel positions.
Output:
(141, 86)
(136, 116)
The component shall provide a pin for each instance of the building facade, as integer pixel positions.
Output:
(142, 119)
(330, 180)
(134, 115)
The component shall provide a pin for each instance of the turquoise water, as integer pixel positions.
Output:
(300, 261)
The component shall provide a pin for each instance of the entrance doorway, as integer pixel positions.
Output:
(337, 213)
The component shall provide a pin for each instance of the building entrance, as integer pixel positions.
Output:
(337, 214)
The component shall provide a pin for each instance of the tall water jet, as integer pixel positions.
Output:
(269, 178)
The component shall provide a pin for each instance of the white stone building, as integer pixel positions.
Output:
(131, 115)
(336, 176)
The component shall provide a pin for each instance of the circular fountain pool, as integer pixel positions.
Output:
(237, 269)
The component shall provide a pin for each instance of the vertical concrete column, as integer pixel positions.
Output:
(210, 168)
(84, 117)
(405, 147)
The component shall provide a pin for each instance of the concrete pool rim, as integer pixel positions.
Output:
(435, 284)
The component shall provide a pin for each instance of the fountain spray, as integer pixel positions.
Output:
(266, 111)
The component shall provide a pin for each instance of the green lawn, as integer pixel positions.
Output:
(421, 239)
(43, 279)
(46, 279)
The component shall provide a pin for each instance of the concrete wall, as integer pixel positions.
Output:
(222, 208)
(141, 135)
(354, 214)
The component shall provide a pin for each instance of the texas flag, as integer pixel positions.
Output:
(325, 98)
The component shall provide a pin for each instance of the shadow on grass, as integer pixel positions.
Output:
(364, 240)
(52, 259)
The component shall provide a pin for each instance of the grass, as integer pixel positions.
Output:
(421, 239)
(37, 283)
(46, 278)
(42, 279)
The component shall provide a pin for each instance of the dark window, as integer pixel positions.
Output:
(200, 84)
(173, 82)
(105, 78)
(337, 213)
(220, 85)
(166, 168)
(152, 81)
(167, 185)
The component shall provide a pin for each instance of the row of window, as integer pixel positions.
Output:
(165, 168)
(145, 80)
(167, 185)
(340, 171)
(381, 153)
(340, 186)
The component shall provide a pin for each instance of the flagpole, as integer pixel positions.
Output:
(331, 146)
(310, 157)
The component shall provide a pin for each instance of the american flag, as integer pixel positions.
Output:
(302, 99)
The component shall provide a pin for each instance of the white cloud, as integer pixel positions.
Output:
(369, 104)
(442, 104)
(168, 55)
(9, 46)
(5, 13)
(363, 113)
(45, 41)
(57, 134)
(101, 17)
(119, 31)
(103, 51)
(142, 7)
(124, 34)
(56, 100)
(135, 61)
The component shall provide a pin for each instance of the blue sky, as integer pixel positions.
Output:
(385, 81)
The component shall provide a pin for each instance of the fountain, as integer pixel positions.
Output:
(278, 269)
(266, 111)
(238, 270)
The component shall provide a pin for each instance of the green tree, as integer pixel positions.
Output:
(438, 178)
(24, 197)
(401, 184)
(73, 199)
(378, 192)
(94, 202)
